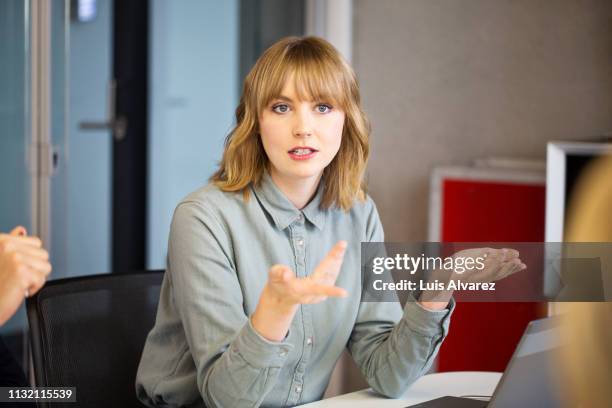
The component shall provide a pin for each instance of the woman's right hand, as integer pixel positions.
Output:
(284, 292)
(291, 290)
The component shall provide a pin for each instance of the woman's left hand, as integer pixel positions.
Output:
(497, 264)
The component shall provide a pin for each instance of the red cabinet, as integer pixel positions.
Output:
(486, 205)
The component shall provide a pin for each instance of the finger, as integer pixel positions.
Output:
(21, 240)
(327, 290)
(37, 282)
(19, 231)
(493, 258)
(329, 267)
(502, 255)
(508, 268)
(520, 265)
(26, 276)
(36, 253)
(494, 253)
(511, 253)
(38, 265)
(487, 251)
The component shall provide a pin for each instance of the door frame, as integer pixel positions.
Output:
(40, 151)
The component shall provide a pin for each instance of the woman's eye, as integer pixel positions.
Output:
(280, 108)
(323, 108)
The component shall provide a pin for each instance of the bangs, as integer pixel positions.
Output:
(318, 75)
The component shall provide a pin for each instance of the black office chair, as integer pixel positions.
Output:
(89, 332)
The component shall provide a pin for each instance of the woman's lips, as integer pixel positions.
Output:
(302, 153)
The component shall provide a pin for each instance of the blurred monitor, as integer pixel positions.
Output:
(565, 164)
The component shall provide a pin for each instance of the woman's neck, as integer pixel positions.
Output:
(298, 190)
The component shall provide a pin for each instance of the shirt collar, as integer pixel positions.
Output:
(282, 211)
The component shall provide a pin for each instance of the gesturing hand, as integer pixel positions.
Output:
(498, 264)
(291, 290)
(284, 292)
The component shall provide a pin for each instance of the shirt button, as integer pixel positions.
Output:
(282, 353)
(300, 242)
(309, 341)
(301, 217)
(298, 388)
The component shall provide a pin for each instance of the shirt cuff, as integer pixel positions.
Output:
(427, 322)
(259, 351)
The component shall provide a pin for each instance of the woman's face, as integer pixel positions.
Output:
(300, 137)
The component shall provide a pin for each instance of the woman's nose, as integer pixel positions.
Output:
(302, 126)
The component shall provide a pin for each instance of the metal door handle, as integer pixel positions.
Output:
(116, 124)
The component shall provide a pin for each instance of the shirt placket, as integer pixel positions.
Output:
(298, 232)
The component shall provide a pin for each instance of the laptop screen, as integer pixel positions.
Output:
(530, 380)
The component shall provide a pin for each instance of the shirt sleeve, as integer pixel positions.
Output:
(393, 348)
(235, 366)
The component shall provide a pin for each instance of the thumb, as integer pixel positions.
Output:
(19, 231)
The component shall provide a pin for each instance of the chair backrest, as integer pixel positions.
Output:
(89, 332)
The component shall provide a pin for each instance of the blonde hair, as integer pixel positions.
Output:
(321, 74)
(588, 326)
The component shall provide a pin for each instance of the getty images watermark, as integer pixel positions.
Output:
(487, 271)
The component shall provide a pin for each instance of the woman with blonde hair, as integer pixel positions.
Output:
(255, 308)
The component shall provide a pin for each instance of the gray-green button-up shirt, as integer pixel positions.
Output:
(203, 350)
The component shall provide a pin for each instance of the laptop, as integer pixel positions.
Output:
(529, 379)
